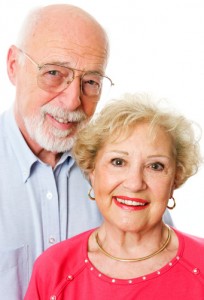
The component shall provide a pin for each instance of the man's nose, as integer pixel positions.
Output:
(70, 97)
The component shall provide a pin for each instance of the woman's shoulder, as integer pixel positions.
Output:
(56, 263)
(191, 249)
(191, 240)
(61, 252)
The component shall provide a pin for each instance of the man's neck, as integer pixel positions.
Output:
(49, 157)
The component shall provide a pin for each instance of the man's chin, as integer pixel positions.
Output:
(50, 138)
(57, 145)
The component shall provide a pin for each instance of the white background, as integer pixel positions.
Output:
(157, 46)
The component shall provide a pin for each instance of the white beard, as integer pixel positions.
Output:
(49, 137)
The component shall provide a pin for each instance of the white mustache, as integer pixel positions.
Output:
(62, 113)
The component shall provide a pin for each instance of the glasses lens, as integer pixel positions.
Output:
(94, 84)
(54, 78)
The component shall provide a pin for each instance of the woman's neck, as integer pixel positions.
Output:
(131, 246)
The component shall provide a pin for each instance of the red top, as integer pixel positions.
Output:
(65, 272)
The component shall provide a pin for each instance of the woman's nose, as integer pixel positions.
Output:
(134, 179)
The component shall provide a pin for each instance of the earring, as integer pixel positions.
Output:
(174, 203)
(89, 194)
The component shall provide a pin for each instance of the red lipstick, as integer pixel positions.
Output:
(128, 203)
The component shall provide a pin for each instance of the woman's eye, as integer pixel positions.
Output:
(157, 166)
(117, 162)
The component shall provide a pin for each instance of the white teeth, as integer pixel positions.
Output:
(130, 202)
(60, 120)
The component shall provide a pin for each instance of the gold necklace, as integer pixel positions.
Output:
(135, 259)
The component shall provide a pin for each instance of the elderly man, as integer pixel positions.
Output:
(58, 68)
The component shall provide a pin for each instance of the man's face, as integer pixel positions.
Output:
(49, 117)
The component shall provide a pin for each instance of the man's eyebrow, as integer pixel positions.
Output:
(58, 63)
(67, 64)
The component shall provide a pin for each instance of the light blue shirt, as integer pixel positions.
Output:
(35, 207)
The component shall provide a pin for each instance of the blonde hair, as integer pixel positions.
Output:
(120, 116)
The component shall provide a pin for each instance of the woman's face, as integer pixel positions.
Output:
(134, 178)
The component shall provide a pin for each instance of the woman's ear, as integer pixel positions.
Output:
(178, 177)
(92, 177)
(12, 59)
(172, 192)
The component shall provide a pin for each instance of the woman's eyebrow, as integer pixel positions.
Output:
(119, 152)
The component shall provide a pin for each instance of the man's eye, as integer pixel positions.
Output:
(56, 71)
(117, 162)
(157, 166)
(94, 80)
(53, 72)
(92, 83)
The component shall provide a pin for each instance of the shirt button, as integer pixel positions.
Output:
(25, 173)
(51, 240)
(49, 195)
(53, 297)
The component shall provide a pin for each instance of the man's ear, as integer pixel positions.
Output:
(12, 58)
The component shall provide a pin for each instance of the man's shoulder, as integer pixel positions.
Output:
(4, 120)
(7, 126)
(5, 136)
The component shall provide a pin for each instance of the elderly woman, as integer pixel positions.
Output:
(135, 156)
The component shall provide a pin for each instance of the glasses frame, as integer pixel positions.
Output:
(69, 68)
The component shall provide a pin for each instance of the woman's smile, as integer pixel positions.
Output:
(130, 203)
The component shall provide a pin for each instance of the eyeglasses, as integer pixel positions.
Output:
(55, 78)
